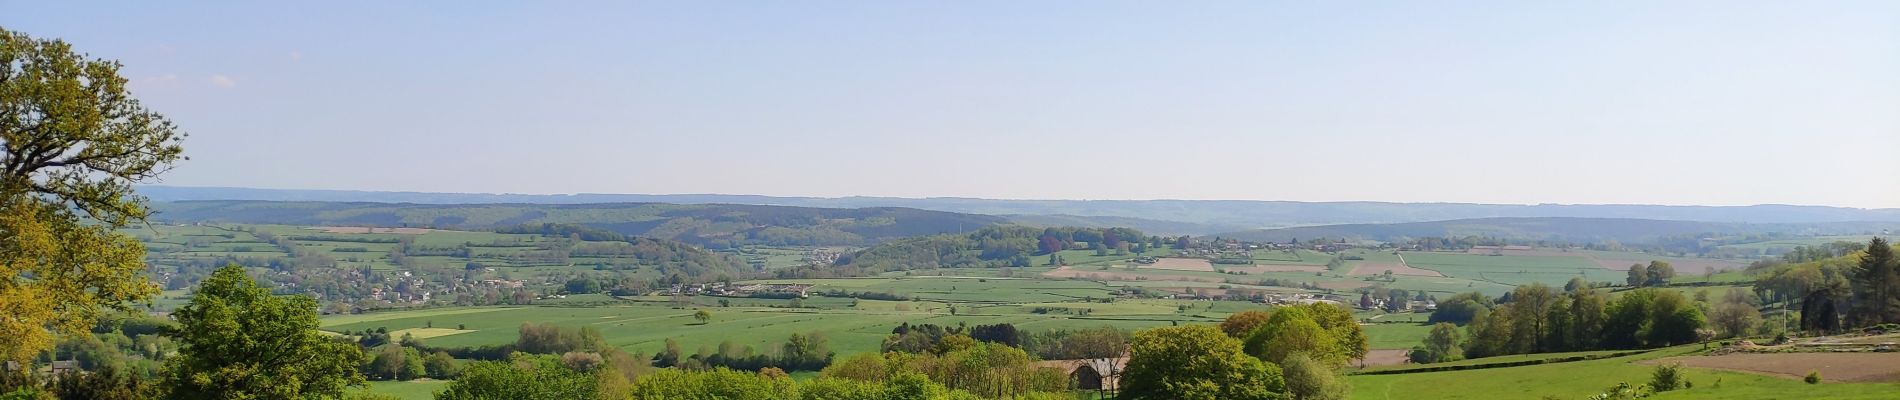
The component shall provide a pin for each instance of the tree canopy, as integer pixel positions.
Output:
(75, 141)
(1195, 362)
(237, 341)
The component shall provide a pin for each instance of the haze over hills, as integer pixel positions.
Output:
(711, 225)
(1557, 229)
(1181, 216)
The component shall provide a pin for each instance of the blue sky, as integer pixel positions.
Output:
(1674, 102)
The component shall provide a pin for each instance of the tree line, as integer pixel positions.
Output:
(988, 247)
(1536, 318)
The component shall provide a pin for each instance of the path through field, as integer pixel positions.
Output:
(1181, 264)
(1371, 268)
(1834, 367)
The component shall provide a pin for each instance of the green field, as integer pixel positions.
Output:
(1494, 360)
(1397, 336)
(641, 324)
(1511, 270)
(1775, 247)
(1577, 380)
(416, 389)
(1023, 297)
(643, 328)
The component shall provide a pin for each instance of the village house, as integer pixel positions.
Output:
(1100, 374)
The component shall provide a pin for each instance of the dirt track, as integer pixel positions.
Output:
(1834, 367)
(1401, 268)
(1376, 358)
(1181, 264)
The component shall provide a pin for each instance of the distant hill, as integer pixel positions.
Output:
(1200, 216)
(711, 225)
(1151, 226)
(1627, 230)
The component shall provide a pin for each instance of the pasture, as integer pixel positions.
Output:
(1511, 270)
(1576, 380)
(642, 324)
(416, 389)
(1776, 247)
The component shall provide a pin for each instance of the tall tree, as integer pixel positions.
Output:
(1737, 314)
(1530, 310)
(1339, 322)
(1290, 330)
(1242, 323)
(526, 377)
(1195, 362)
(1587, 309)
(1660, 272)
(1309, 379)
(237, 341)
(75, 142)
(1440, 345)
(1875, 286)
(1638, 275)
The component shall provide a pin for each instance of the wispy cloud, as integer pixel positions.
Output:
(156, 82)
(295, 55)
(222, 81)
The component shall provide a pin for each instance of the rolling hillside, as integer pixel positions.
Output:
(1215, 215)
(1627, 230)
(711, 225)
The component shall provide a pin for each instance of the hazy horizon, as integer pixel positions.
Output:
(997, 198)
(1685, 103)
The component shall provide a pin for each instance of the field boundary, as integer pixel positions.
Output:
(1558, 360)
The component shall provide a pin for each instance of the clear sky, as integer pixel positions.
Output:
(1676, 102)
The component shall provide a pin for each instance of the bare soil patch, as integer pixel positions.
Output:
(1368, 269)
(425, 333)
(361, 229)
(1834, 367)
(1112, 275)
(1376, 358)
(1261, 268)
(1182, 264)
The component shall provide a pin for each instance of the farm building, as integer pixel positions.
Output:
(1091, 374)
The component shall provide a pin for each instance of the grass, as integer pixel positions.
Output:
(425, 333)
(1512, 270)
(419, 389)
(1396, 336)
(642, 327)
(1494, 360)
(1576, 380)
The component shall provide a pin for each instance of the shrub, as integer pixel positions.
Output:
(1813, 378)
(1667, 377)
(1313, 380)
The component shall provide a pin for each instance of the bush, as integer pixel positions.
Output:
(1667, 377)
(1313, 380)
(1813, 378)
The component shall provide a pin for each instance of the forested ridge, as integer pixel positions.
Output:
(710, 225)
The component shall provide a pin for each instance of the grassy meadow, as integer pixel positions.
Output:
(1032, 299)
